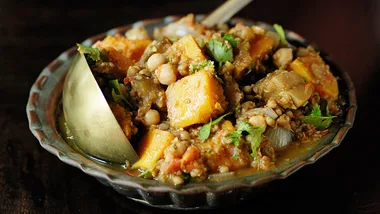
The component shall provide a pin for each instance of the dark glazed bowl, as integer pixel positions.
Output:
(45, 96)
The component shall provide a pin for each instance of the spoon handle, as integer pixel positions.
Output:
(225, 12)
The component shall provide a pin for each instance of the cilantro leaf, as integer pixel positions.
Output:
(93, 54)
(256, 139)
(254, 133)
(235, 137)
(244, 126)
(205, 131)
(316, 119)
(146, 174)
(220, 52)
(202, 43)
(116, 93)
(235, 156)
(280, 31)
(231, 38)
(316, 111)
(220, 118)
(199, 66)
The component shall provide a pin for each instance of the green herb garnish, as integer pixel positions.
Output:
(93, 54)
(316, 119)
(173, 39)
(117, 95)
(202, 43)
(199, 66)
(146, 174)
(255, 134)
(220, 51)
(231, 39)
(235, 156)
(251, 68)
(280, 31)
(205, 131)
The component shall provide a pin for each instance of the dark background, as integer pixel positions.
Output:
(34, 33)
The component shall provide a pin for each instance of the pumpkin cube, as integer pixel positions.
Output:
(261, 46)
(189, 48)
(152, 148)
(315, 70)
(195, 99)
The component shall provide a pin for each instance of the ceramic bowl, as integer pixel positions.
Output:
(44, 100)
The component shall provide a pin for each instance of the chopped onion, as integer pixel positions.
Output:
(270, 112)
(279, 137)
(256, 111)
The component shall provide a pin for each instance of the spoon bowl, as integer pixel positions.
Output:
(90, 119)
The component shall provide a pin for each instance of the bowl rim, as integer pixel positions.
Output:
(38, 122)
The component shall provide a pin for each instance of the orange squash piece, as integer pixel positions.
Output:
(261, 46)
(302, 70)
(325, 83)
(152, 148)
(195, 99)
(132, 49)
(189, 48)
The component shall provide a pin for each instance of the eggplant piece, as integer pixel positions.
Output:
(288, 88)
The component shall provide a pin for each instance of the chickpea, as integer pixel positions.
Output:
(257, 121)
(152, 117)
(184, 135)
(247, 89)
(272, 103)
(164, 126)
(270, 121)
(284, 121)
(290, 114)
(154, 61)
(278, 111)
(166, 74)
(282, 57)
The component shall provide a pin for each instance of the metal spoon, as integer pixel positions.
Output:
(90, 119)
(88, 116)
(224, 12)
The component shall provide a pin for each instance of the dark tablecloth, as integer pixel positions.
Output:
(33, 33)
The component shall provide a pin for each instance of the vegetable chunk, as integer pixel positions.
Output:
(315, 70)
(289, 89)
(132, 49)
(189, 48)
(195, 99)
(261, 46)
(152, 148)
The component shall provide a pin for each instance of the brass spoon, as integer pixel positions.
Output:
(224, 12)
(90, 119)
(87, 114)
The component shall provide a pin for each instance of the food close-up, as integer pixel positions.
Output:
(204, 104)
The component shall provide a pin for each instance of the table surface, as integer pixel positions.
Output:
(34, 33)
